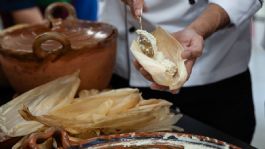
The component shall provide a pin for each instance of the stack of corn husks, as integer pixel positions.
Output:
(89, 114)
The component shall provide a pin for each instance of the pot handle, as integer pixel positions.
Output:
(41, 53)
(71, 13)
(35, 139)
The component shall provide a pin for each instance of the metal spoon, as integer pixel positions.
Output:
(147, 48)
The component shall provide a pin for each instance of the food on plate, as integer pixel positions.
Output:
(160, 55)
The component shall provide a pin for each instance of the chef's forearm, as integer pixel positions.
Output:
(211, 20)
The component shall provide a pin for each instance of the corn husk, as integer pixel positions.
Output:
(108, 112)
(84, 108)
(166, 66)
(41, 100)
(86, 93)
(93, 113)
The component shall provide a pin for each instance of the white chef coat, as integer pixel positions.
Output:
(226, 52)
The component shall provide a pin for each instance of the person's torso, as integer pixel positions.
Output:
(226, 52)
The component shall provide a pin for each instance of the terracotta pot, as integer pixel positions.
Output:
(35, 54)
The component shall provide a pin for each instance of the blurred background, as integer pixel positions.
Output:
(257, 67)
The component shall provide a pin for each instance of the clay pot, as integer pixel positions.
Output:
(35, 54)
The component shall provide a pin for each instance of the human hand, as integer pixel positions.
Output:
(147, 76)
(27, 16)
(193, 45)
(136, 7)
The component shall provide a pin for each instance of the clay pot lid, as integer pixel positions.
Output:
(55, 34)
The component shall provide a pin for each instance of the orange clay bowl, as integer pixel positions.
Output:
(31, 55)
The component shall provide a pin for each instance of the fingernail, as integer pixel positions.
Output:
(141, 69)
(186, 54)
(138, 12)
(175, 92)
(153, 87)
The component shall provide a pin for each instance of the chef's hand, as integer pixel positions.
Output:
(136, 7)
(193, 45)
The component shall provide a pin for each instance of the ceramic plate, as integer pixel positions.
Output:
(159, 140)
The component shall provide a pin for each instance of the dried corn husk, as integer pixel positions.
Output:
(84, 108)
(41, 100)
(91, 114)
(86, 93)
(166, 65)
(109, 112)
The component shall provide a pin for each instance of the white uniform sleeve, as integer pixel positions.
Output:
(239, 10)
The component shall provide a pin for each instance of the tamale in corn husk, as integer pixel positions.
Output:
(160, 55)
